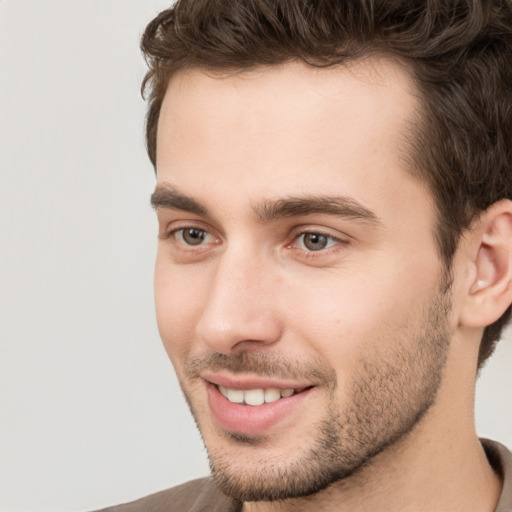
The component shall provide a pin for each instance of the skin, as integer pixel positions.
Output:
(367, 321)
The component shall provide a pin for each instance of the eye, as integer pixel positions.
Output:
(193, 236)
(315, 241)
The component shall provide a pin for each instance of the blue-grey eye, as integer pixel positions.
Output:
(315, 241)
(192, 236)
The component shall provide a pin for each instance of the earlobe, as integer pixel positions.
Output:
(490, 292)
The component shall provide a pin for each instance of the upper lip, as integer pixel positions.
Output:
(246, 382)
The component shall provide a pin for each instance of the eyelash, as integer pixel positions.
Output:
(175, 233)
(332, 241)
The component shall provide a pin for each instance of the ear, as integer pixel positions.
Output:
(489, 293)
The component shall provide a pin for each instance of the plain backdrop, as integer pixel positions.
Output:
(90, 410)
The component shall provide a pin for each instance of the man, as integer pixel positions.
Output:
(334, 263)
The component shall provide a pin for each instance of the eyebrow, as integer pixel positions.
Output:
(166, 196)
(294, 206)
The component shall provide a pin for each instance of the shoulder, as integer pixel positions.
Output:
(195, 496)
(500, 459)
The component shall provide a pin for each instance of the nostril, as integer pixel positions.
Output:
(237, 331)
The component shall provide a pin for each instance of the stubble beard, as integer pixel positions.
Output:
(389, 397)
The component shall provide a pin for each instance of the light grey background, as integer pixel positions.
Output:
(90, 410)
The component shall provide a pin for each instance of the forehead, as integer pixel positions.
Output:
(378, 90)
(288, 129)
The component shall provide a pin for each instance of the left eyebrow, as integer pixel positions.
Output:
(340, 206)
(166, 196)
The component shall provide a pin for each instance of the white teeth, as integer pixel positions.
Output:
(255, 396)
(272, 394)
(235, 395)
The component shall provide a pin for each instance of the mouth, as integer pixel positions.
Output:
(254, 407)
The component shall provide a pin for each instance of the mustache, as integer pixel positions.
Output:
(263, 364)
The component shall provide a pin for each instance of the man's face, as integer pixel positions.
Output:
(298, 289)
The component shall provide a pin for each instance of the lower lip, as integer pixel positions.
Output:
(248, 419)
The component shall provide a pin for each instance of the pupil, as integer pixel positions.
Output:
(315, 241)
(193, 236)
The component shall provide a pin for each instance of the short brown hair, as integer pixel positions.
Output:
(458, 51)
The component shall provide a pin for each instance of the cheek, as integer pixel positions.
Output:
(348, 316)
(178, 302)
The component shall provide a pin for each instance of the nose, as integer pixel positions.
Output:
(241, 307)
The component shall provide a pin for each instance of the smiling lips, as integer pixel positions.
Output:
(252, 408)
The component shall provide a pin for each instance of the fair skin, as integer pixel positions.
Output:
(296, 251)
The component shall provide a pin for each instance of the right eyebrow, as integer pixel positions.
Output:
(166, 196)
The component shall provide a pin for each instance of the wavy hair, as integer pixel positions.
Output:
(459, 52)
